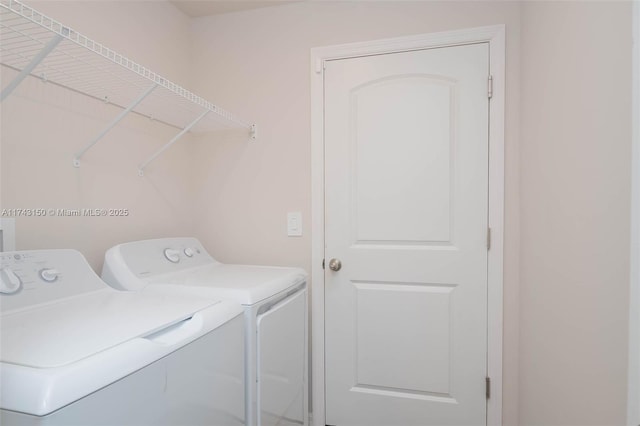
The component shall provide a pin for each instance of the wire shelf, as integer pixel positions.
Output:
(81, 64)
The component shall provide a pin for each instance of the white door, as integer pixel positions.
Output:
(406, 189)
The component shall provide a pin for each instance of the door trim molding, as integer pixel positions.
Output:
(495, 36)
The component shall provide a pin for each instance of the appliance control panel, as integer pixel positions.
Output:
(32, 277)
(150, 258)
(183, 250)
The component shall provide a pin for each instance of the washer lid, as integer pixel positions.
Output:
(244, 284)
(68, 330)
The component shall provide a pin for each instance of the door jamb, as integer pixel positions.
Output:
(495, 36)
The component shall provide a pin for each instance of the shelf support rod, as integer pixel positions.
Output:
(79, 154)
(142, 166)
(31, 66)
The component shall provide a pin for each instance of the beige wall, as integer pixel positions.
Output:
(44, 125)
(575, 200)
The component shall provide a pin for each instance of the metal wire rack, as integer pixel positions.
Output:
(35, 45)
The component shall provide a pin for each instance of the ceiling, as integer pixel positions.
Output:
(197, 8)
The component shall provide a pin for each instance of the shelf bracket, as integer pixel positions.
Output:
(142, 166)
(31, 66)
(253, 132)
(79, 154)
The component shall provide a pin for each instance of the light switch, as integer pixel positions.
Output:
(294, 224)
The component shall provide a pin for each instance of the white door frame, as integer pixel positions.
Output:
(495, 36)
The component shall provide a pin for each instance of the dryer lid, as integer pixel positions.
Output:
(245, 284)
(69, 330)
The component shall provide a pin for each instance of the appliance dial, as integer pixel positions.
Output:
(172, 255)
(49, 274)
(189, 252)
(9, 282)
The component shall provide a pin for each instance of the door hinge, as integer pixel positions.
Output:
(322, 263)
(488, 387)
(319, 66)
(490, 87)
(488, 238)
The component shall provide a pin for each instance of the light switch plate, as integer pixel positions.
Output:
(294, 224)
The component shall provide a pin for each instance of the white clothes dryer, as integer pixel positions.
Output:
(74, 351)
(275, 303)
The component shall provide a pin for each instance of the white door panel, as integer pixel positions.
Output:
(406, 164)
(412, 205)
(382, 350)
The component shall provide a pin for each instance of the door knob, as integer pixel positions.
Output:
(335, 264)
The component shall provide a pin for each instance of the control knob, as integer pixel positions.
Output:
(49, 274)
(9, 282)
(189, 252)
(172, 255)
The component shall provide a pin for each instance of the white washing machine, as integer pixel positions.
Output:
(74, 351)
(275, 302)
